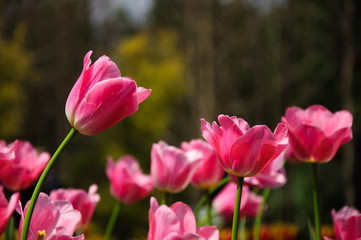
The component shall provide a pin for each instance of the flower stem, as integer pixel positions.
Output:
(34, 197)
(112, 220)
(208, 207)
(237, 205)
(165, 198)
(257, 222)
(315, 202)
(9, 232)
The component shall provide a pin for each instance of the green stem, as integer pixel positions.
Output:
(9, 232)
(34, 197)
(315, 201)
(243, 228)
(211, 191)
(208, 207)
(257, 222)
(237, 206)
(165, 198)
(112, 220)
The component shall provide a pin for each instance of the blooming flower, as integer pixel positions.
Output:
(315, 134)
(127, 182)
(346, 223)
(51, 220)
(101, 97)
(6, 208)
(210, 171)
(175, 223)
(244, 151)
(223, 203)
(272, 176)
(24, 165)
(171, 168)
(80, 200)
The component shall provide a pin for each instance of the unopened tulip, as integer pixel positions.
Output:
(6, 208)
(175, 223)
(346, 223)
(171, 168)
(244, 151)
(315, 134)
(101, 97)
(223, 203)
(210, 171)
(24, 166)
(80, 200)
(128, 183)
(51, 220)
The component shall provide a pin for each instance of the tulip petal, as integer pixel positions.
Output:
(142, 94)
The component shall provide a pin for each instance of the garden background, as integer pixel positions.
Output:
(252, 59)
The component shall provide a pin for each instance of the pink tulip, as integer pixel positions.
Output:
(347, 223)
(127, 182)
(6, 153)
(80, 200)
(101, 97)
(24, 166)
(244, 151)
(171, 168)
(210, 171)
(223, 203)
(176, 223)
(6, 208)
(51, 220)
(272, 176)
(315, 134)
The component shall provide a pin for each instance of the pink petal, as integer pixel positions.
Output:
(142, 94)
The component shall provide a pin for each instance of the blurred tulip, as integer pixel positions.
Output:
(272, 176)
(127, 181)
(6, 153)
(315, 134)
(210, 171)
(346, 223)
(244, 151)
(6, 208)
(24, 166)
(171, 168)
(51, 220)
(101, 97)
(223, 203)
(175, 223)
(80, 200)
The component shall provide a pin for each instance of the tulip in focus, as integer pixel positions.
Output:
(175, 223)
(7, 208)
(24, 165)
(101, 98)
(171, 168)
(315, 134)
(128, 183)
(210, 171)
(223, 203)
(82, 201)
(51, 220)
(346, 224)
(244, 151)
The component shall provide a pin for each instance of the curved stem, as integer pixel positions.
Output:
(315, 202)
(237, 205)
(112, 220)
(257, 222)
(34, 197)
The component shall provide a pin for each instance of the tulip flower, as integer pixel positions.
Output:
(346, 223)
(51, 219)
(210, 171)
(244, 151)
(223, 203)
(101, 97)
(315, 134)
(80, 200)
(7, 208)
(24, 165)
(171, 168)
(175, 223)
(128, 183)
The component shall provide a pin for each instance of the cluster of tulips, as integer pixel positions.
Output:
(234, 159)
